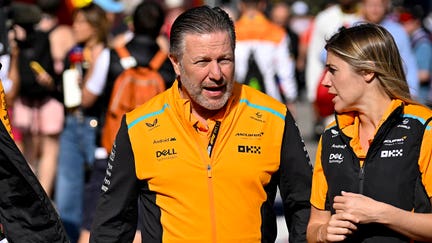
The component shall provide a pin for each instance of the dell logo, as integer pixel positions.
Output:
(165, 152)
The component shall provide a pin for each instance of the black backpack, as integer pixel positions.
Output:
(254, 77)
(36, 48)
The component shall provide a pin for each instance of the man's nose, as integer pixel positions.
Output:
(215, 71)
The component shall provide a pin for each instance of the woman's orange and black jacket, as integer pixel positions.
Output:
(397, 168)
(184, 194)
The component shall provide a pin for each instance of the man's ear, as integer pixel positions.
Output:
(176, 64)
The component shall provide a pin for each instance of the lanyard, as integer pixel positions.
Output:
(213, 137)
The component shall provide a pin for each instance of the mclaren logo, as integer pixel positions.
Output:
(249, 135)
(396, 141)
(249, 149)
(165, 153)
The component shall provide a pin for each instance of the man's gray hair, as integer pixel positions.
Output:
(199, 20)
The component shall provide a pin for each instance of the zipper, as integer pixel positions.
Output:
(210, 148)
(361, 178)
(212, 210)
(212, 204)
(209, 171)
(207, 160)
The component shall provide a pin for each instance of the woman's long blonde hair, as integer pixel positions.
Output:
(371, 48)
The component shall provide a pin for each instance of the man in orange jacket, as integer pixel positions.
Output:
(204, 159)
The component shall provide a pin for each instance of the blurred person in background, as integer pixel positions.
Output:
(9, 60)
(280, 14)
(411, 19)
(268, 43)
(61, 40)
(114, 11)
(60, 35)
(147, 20)
(87, 63)
(379, 12)
(326, 23)
(37, 113)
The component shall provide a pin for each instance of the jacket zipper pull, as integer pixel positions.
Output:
(209, 173)
(361, 178)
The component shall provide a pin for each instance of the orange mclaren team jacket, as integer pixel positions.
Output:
(184, 194)
(397, 168)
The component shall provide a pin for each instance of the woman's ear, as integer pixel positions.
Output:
(368, 76)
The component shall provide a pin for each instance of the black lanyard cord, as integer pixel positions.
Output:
(213, 137)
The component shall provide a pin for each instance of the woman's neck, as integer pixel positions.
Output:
(370, 119)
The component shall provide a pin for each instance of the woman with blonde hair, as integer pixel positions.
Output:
(372, 179)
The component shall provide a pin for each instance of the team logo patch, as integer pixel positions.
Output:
(258, 117)
(336, 158)
(392, 153)
(166, 153)
(152, 124)
(249, 149)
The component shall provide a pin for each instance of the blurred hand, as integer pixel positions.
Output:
(45, 79)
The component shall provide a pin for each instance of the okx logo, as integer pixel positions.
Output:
(249, 149)
(392, 153)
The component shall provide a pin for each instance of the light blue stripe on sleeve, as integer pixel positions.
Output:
(423, 121)
(139, 119)
(264, 108)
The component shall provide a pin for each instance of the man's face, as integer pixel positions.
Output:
(375, 10)
(280, 15)
(206, 70)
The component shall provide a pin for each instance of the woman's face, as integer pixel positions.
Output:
(83, 31)
(347, 86)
